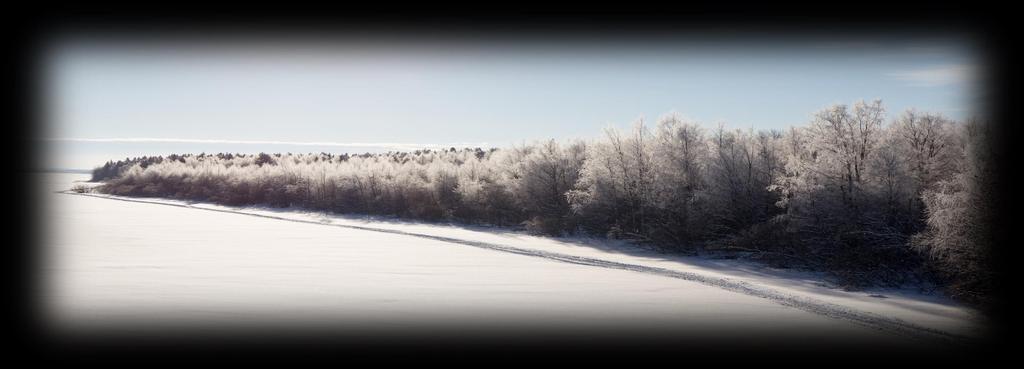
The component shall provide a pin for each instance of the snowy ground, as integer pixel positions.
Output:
(150, 263)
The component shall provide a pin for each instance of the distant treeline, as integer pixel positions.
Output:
(867, 200)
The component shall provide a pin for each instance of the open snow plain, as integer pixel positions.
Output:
(149, 265)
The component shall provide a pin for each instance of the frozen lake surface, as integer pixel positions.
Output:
(151, 266)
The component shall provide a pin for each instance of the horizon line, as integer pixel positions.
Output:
(267, 142)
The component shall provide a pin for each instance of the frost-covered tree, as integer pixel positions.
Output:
(843, 183)
(893, 184)
(842, 143)
(616, 185)
(959, 237)
(736, 187)
(927, 145)
(680, 153)
(545, 173)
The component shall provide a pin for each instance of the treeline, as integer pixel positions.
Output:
(867, 199)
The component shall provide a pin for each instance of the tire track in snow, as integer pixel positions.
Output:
(804, 303)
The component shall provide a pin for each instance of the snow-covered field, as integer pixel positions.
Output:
(147, 263)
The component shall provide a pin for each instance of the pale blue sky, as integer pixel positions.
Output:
(107, 99)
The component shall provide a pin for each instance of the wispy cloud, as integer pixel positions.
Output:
(380, 145)
(937, 76)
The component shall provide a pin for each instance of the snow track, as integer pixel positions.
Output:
(804, 303)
